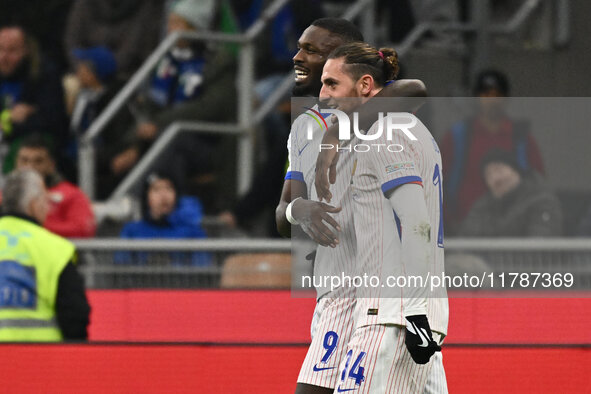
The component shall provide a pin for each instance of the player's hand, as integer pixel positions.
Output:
(419, 339)
(312, 215)
(326, 163)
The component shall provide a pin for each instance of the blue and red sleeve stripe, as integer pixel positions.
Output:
(394, 183)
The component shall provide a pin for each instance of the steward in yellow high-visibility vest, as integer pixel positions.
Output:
(42, 295)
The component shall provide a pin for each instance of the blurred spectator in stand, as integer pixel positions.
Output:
(194, 82)
(517, 203)
(275, 51)
(70, 213)
(179, 75)
(43, 19)
(129, 28)
(464, 147)
(95, 71)
(166, 214)
(31, 94)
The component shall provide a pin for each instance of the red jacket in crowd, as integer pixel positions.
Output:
(70, 214)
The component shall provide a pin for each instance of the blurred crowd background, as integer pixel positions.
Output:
(63, 61)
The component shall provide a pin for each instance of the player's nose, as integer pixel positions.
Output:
(298, 57)
(323, 96)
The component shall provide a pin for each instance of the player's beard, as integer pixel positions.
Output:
(308, 90)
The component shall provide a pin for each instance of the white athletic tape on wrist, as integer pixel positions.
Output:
(288, 215)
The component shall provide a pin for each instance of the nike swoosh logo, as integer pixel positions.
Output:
(318, 369)
(422, 333)
(425, 342)
(340, 390)
(301, 150)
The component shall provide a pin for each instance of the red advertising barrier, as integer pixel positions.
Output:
(257, 341)
(276, 317)
(223, 369)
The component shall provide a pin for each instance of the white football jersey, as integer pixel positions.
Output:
(303, 147)
(386, 165)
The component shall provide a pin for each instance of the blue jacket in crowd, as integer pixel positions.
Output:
(183, 223)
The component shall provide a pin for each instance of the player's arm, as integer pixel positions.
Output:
(404, 88)
(409, 204)
(294, 209)
(410, 95)
(291, 190)
(402, 184)
(294, 185)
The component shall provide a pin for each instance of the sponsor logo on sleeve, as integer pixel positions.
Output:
(392, 168)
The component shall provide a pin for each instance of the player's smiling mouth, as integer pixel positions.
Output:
(301, 74)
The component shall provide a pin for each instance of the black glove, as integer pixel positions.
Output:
(419, 340)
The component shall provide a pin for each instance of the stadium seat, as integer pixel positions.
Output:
(257, 270)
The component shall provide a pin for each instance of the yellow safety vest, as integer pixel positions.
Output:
(31, 262)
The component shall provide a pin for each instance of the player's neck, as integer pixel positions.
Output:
(371, 94)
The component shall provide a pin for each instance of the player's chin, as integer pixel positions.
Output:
(301, 82)
(301, 89)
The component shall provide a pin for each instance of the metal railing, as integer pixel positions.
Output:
(247, 119)
(519, 18)
(199, 263)
(160, 145)
(245, 94)
(123, 263)
(482, 28)
(198, 245)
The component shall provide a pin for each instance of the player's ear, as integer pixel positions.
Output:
(365, 85)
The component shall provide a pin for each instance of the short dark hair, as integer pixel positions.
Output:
(343, 28)
(39, 141)
(152, 177)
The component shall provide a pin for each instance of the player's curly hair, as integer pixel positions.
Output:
(361, 58)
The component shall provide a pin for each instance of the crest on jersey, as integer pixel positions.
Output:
(317, 116)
